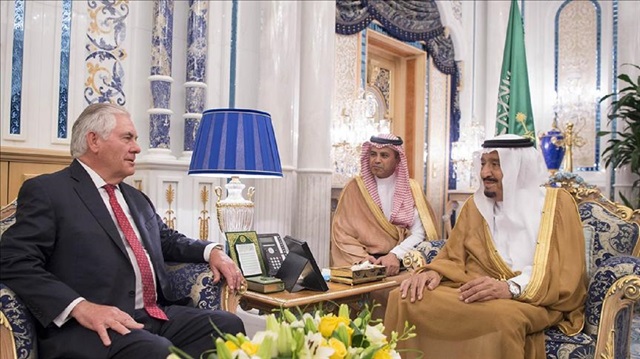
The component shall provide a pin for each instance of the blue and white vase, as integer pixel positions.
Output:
(553, 149)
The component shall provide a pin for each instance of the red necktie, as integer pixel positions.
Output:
(148, 286)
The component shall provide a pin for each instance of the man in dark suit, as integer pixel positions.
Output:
(87, 253)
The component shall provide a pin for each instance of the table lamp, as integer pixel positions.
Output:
(235, 143)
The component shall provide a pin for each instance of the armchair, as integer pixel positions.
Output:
(612, 235)
(17, 327)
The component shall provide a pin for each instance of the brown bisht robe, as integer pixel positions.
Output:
(501, 328)
(360, 227)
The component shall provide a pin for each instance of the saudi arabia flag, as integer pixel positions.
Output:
(514, 101)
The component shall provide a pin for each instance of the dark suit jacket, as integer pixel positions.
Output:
(65, 245)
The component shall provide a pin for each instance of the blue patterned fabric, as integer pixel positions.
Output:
(610, 271)
(196, 281)
(405, 20)
(635, 336)
(21, 323)
(413, 20)
(612, 236)
(186, 279)
(430, 249)
(560, 346)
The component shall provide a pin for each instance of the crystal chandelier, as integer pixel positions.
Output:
(358, 121)
(462, 155)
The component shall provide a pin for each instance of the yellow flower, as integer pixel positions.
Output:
(340, 350)
(329, 323)
(249, 348)
(231, 345)
(383, 353)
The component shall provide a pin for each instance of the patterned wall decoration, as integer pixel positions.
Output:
(195, 87)
(65, 53)
(233, 53)
(380, 78)
(614, 88)
(16, 67)
(577, 76)
(107, 31)
(437, 139)
(346, 88)
(456, 6)
(161, 57)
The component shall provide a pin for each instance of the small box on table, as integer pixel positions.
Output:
(347, 275)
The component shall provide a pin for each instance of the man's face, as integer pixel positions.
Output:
(383, 161)
(115, 156)
(491, 175)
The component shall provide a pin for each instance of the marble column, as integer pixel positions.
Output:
(277, 88)
(161, 80)
(195, 85)
(311, 219)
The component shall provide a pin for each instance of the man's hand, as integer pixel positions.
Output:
(390, 262)
(415, 284)
(99, 318)
(483, 289)
(221, 264)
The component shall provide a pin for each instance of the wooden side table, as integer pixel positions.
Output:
(338, 293)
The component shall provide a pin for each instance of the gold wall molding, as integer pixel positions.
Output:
(170, 218)
(204, 219)
(33, 155)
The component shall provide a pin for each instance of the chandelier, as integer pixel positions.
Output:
(463, 153)
(357, 122)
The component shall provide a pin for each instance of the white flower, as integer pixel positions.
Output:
(314, 348)
(259, 337)
(375, 334)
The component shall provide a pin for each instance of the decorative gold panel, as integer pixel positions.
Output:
(577, 76)
(170, 215)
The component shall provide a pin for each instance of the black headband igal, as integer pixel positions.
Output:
(386, 141)
(511, 143)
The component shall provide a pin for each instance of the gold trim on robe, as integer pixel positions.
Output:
(499, 328)
(360, 228)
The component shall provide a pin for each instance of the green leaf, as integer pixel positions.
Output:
(623, 146)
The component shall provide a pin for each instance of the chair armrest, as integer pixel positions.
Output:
(613, 291)
(195, 280)
(423, 254)
(20, 322)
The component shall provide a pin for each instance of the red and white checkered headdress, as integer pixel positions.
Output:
(403, 203)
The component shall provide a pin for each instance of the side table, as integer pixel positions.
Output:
(338, 293)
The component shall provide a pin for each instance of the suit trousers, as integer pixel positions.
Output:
(188, 329)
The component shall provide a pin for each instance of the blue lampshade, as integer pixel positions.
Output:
(235, 142)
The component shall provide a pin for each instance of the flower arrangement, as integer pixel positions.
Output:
(315, 335)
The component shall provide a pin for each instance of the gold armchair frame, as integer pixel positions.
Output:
(625, 292)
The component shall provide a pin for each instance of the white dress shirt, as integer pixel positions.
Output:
(386, 189)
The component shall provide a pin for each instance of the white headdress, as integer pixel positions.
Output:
(524, 172)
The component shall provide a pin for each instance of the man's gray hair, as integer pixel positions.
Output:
(99, 118)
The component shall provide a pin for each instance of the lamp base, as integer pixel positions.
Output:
(235, 213)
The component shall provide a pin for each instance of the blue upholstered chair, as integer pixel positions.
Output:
(612, 235)
(17, 327)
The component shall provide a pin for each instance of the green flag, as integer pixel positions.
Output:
(514, 101)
